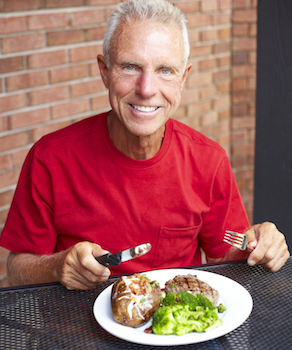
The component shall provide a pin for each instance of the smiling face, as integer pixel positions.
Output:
(146, 75)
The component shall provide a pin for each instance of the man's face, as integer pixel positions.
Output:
(146, 75)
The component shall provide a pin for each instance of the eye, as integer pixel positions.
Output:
(129, 67)
(166, 71)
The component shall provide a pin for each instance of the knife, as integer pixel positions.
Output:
(110, 259)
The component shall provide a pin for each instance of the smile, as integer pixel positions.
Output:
(144, 108)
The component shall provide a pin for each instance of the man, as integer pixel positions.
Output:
(132, 175)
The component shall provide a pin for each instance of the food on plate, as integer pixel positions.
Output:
(184, 313)
(191, 283)
(134, 299)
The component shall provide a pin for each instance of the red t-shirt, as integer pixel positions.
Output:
(76, 186)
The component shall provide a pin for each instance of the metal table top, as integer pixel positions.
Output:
(51, 317)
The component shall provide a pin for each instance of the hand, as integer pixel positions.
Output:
(267, 246)
(78, 269)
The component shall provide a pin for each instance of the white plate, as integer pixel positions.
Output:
(233, 296)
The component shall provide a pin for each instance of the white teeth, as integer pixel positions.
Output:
(144, 109)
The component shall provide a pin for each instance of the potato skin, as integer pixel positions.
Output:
(134, 299)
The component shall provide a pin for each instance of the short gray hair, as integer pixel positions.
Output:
(156, 10)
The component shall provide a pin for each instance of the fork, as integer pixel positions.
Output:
(238, 240)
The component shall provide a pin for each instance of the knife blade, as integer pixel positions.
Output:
(110, 259)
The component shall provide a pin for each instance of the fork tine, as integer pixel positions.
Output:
(236, 239)
(237, 245)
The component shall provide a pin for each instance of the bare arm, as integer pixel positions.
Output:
(266, 246)
(75, 268)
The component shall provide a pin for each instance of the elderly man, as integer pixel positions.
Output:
(132, 175)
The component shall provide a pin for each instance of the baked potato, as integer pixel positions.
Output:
(134, 299)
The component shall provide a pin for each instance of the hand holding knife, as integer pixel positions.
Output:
(125, 255)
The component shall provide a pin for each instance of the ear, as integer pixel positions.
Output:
(186, 73)
(103, 69)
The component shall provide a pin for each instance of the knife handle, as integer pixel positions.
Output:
(109, 259)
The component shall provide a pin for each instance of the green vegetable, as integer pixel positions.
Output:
(185, 313)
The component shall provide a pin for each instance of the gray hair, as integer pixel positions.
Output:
(156, 10)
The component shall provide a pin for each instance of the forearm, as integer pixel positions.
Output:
(23, 269)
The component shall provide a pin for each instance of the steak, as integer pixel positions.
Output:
(185, 283)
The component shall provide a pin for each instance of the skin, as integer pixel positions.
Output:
(146, 69)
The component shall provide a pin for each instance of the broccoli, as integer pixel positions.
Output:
(185, 313)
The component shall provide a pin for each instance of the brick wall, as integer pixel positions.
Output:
(49, 79)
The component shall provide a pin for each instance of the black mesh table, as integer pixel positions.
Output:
(51, 317)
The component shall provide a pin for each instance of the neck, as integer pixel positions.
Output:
(135, 147)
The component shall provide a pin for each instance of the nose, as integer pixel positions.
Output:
(146, 85)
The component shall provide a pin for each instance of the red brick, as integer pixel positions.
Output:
(96, 33)
(221, 75)
(68, 73)
(18, 157)
(28, 118)
(9, 178)
(240, 4)
(48, 95)
(189, 96)
(253, 29)
(4, 163)
(209, 119)
(11, 102)
(243, 71)
(94, 69)
(66, 37)
(70, 108)
(240, 29)
(14, 140)
(221, 102)
(239, 58)
(239, 110)
(239, 84)
(207, 91)
(209, 5)
(12, 25)
(224, 114)
(248, 16)
(221, 47)
(221, 18)
(87, 17)
(208, 64)
(198, 80)
(19, 5)
(195, 21)
(5, 198)
(188, 6)
(47, 59)
(244, 44)
(243, 123)
(225, 4)
(254, 3)
(23, 42)
(85, 53)
(224, 87)
(47, 21)
(243, 96)
(200, 107)
(100, 102)
(24, 81)
(224, 60)
(224, 33)
(63, 3)
(3, 124)
(194, 36)
(210, 34)
(198, 51)
(11, 64)
(37, 133)
(86, 88)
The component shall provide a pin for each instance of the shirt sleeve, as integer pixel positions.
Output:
(29, 227)
(226, 212)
